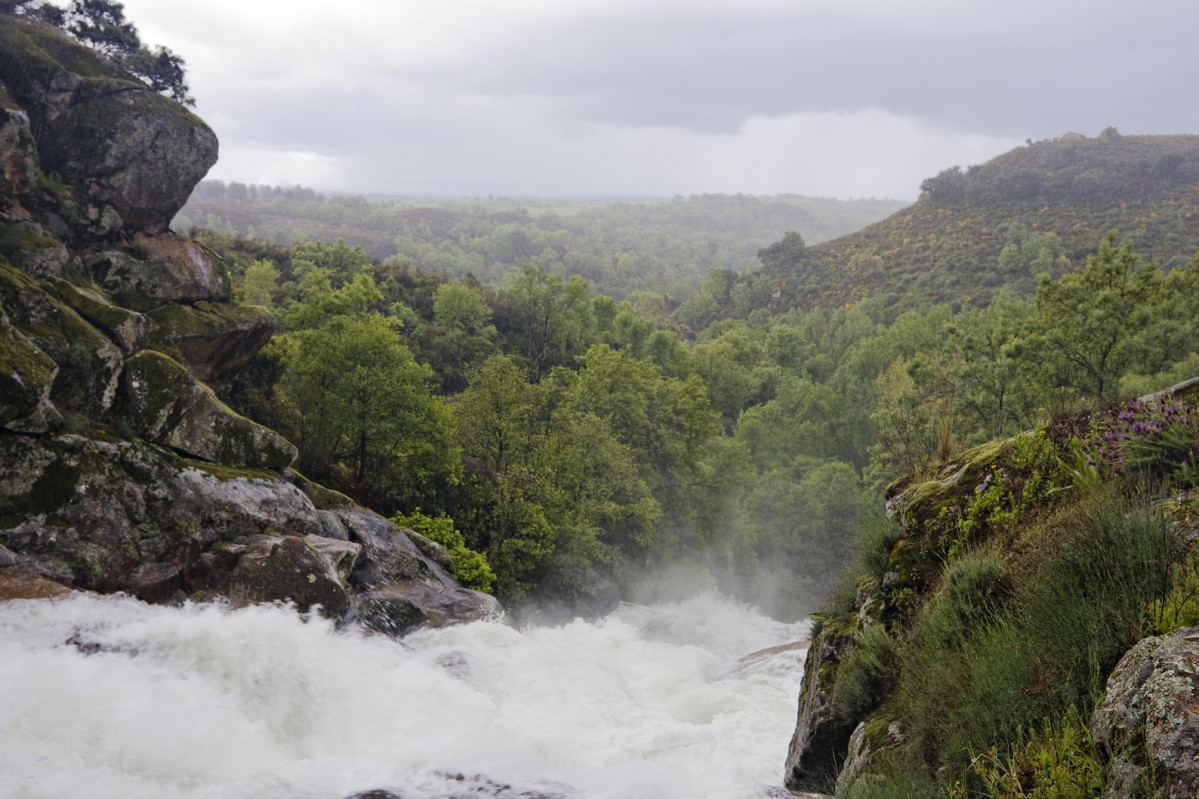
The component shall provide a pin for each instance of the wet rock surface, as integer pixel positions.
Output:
(821, 738)
(164, 404)
(129, 516)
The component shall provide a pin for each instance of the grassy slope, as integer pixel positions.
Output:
(1012, 583)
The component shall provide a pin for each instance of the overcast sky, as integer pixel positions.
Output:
(841, 98)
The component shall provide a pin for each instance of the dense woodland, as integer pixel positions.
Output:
(565, 435)
(618, 247)
(555, 438)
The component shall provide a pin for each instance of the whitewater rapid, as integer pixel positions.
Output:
(109, 697)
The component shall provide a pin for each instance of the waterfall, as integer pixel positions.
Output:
(110, 697)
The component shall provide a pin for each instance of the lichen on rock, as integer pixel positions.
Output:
(26, 375)
(1147, 725)
(130, 155)
(165, 268)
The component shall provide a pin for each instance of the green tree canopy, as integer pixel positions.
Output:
(366, 414)
(548, 317)
(1089, 322)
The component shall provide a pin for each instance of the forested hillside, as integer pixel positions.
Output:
(1039, 209)
(571, 438)
(619, 247)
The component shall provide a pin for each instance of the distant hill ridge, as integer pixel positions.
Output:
(665, 246)
(947, 247)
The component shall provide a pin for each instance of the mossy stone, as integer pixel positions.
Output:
(128, 328)
(132, 153)
(164, 404)
(25, 374)
(87, 360)
(211, 338)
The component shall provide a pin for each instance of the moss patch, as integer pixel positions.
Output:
(206, 319)
(225, 473)
(105, 315)
(16, 239)
(85, 357)
(25, 372)
(321, 497)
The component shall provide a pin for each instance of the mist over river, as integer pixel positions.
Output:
(109, 697)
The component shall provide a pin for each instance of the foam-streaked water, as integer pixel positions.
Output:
(108, 697)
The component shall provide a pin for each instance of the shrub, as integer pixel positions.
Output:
(867, 674)
(995, 653)
(1180, 606)
(1056, 762)
(870, 556)
(470, 568)
(1085, 606)
(973, 590)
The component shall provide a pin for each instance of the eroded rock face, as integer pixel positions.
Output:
(1147, 725)
(821, 738)
(26, 374)
(161, 269)
(212, 339)
(88, 363)
(130, 155)
(18, 155)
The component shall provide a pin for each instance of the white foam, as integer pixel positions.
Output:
(204, 701)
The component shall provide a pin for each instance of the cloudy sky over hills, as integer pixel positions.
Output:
(846, 98)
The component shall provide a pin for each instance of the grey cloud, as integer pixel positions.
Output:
(574, 103)
(1031, 72)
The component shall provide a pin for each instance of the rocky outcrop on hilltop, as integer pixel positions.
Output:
(120, 469)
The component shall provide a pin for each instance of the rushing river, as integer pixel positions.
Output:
(108, 697)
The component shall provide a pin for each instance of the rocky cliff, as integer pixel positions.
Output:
(1022, 625)
(120, 470)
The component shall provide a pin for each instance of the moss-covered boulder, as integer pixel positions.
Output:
(29, 247)
(89, 364)
(164, 404)
(129, 329)
(212, 338)
(26, 375)
(130, 156)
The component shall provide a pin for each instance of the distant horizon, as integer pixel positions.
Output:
(573, 198)
(343, 187)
